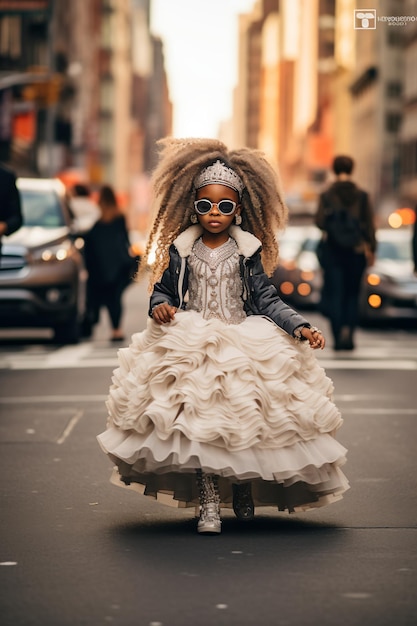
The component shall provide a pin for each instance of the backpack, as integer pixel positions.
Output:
(343, 229)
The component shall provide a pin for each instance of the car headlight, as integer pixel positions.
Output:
(58, 252)
(373, 279)
(376, 278)
(375, 301)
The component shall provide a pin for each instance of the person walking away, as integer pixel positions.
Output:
(109, 264)
(346, 218)
(10, 205)
(220, 402)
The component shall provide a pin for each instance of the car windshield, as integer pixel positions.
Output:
(310, 244)
(393, 250)
(41, 208)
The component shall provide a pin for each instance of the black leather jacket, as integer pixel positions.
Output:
(10, 203)
(344, 193)
(259, 295)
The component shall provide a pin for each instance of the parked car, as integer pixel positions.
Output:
(298, 277)
(389, 290)
(42, 274)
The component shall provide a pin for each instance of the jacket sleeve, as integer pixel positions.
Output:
(320, 217)
(123, 227)
(166, 290)
(367, 219)
(265, 300)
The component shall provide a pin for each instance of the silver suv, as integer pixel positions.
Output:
(42, 274)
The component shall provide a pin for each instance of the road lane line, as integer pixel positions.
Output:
(380, 411)
(100, 399)
(328, 364)
(360, 397)
(70, 427)
(60, 364)
(341, 397)
(352, 364)
(68, 354)
(52, 399)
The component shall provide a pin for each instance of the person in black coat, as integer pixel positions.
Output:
(109, 264)
(10, 206)
(346, 218)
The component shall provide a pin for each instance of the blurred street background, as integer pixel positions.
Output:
(85, 90)
(87, 87)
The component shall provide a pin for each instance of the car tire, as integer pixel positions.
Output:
(68, 332)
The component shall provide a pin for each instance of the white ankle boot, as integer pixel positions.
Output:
(209, 521)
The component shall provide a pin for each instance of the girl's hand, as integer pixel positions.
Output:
(163, 313)
(314, 336)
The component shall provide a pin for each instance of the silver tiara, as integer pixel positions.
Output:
(219, 174)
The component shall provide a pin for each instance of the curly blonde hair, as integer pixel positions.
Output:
(181, 160)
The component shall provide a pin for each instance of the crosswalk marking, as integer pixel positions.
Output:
(356, 405)
(328, 364)
(391, 355)
(59, 399)
(368, 364)
(46, 365)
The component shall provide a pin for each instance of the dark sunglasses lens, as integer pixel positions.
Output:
(226, 207)
(203, 206)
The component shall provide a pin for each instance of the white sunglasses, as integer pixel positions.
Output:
(204, 206)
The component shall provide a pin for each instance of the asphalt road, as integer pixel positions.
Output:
(77, 551)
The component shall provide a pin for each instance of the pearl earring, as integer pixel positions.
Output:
(238, 220)
(194, 218)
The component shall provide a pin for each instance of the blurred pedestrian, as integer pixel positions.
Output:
(220, 401)
(10, 205)
(346, 218)
(84, 209)
(415, 241)
(109, 264)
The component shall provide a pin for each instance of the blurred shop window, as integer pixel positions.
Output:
(394, 89)
(392, 122)
(63, 131)
(408, 158)
(10, 41)
(395, 37)
(24, 126)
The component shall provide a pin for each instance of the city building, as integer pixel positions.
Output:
(322, 77)
(377, 105)
(342, 76)
(408, 131)
(83, 89)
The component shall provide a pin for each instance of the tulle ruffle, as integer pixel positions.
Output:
(242, 401)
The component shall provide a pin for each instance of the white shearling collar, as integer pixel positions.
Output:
(247, 243)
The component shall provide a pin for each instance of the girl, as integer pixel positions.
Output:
(220, 402)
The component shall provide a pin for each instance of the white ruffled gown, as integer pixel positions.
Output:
(232, 395)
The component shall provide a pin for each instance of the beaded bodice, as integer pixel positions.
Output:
(215, 285)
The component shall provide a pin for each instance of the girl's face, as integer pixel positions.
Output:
(214, 221)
